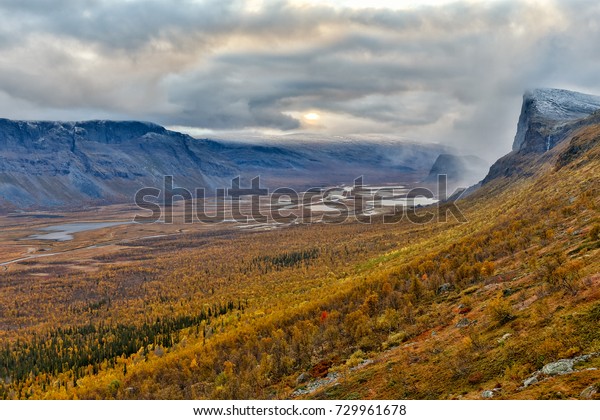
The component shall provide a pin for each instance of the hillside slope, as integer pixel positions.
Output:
(508, 307)
(394, 311)
(453, 311)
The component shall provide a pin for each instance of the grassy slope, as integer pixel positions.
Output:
(547, 317)
(526, 263)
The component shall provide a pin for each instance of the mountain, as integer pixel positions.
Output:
(48, 164)
(543, 116)
(302, 163)
(64, 163)
(547, 118)
(501, 304)
(460, 170)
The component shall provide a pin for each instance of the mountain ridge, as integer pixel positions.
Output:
(461, 170)
(503, 306)
(542, 113)
(53, 164)
(548, 117)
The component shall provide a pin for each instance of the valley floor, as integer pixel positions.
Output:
(372, 311)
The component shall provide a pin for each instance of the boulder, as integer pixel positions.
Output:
(559, 367)
(463, 323)
(487, 394)
(445, 288)
(589, 392)
(530, 381)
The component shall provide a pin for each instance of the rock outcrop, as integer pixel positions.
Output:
(548, 117)
(543, 116)
(460, 170)
(560, 367)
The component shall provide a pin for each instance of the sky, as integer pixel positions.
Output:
(450, 72)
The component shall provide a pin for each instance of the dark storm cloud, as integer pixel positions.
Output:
(451, 73)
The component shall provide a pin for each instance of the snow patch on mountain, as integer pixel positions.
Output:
(549, 108)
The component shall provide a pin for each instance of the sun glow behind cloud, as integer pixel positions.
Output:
(451, 71)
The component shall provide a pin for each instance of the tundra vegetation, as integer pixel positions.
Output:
(440, 310)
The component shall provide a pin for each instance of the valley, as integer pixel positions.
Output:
(334, 309)
(299, 208)
(72, 235)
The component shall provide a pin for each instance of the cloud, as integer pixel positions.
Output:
(450, 73)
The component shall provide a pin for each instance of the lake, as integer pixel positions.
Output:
(66, 231)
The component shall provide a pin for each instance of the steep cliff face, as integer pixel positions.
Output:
(45, 164)
(548, 117)
(55, 163)
(544, 114)
(461, 171)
